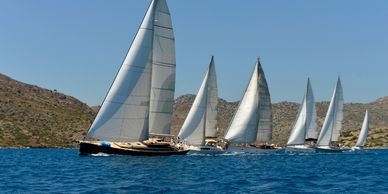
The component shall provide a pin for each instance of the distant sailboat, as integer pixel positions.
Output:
(363, 133)
(201, 122)
(305, 127)
(141, 97)
(331, 129)
(252, 123)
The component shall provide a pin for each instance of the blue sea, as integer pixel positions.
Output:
(64, 171)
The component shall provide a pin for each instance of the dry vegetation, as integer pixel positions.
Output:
(284, 114)
(35, 117)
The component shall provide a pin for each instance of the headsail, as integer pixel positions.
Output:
(333, 122)
(124, 113)
(254, 106)
(305, 126)
(202, 115)
(163, 71)
(364, 131)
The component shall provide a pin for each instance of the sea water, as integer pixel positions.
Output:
(64, 171)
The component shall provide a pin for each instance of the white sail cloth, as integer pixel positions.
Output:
(163, 71)
(332, 125)
(305, 126)
(253, 120)
(364, 131)
(146, 77)
(202, 116)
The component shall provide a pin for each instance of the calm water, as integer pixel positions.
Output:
(63, 171)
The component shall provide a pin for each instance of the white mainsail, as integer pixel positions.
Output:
(264, 126)
(253, 119)
(332, 125)
(212, 102)
(203, 114)
(163, 71)
(305, 126)
(125, 113)
(364, 131)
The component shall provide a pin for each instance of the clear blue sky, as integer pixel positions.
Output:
(77, 46)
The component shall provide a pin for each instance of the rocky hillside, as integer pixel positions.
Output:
(284, 114)
(36, 117)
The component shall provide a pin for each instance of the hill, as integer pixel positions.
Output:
(36, 117)
(31, 116)
(284, 114)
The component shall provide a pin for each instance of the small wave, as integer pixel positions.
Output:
(100, 155)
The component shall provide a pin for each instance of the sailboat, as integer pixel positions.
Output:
(140, 100)
(331, 129)
(363, 133)
(200, 127)
(305, 126)
(251, 126)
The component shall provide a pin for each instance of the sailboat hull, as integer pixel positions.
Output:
(206, 150)
(300, 149)
(329, 150)
(133, 148)
(252, 150)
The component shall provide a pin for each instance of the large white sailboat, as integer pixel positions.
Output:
(140, 100)
(200, 127)
(363, 133)
(305, 126)
(331, 129)
(251, 127)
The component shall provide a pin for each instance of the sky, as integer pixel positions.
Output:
(77, 46)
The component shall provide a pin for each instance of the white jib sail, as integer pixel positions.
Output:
(264, 126)
(305, 126)
(243, 127)
(163, 71)
(364, 131)
(333, 122)
(124, 113)
(202, 111)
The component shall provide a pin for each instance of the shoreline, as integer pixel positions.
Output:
(58, 147)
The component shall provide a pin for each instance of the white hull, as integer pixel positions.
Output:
(328, 149)
(357, 149)
(300, 149)
(205, 150)
(253, 150)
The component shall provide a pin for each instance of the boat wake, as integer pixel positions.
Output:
(100, 155)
